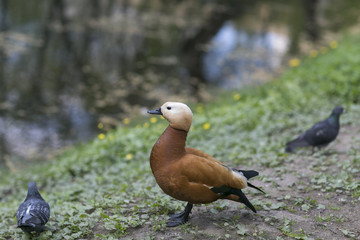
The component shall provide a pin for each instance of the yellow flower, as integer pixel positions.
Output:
(153, 119)
(146, 125)
(323, 50)
(313, 53)
(206, 126)
(129, 156)
(236, 96)
(334, 44)
(100, 125)
(101, 136)
(126, 121)
(294, 62)
(200, 108)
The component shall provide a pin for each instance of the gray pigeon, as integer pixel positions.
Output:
(319, 135)
(34, 212)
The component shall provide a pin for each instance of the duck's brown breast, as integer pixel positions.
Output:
(167, 149)
(165, 154)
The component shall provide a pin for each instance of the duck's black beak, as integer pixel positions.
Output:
(156, 111)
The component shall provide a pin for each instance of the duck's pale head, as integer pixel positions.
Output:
(178, 114)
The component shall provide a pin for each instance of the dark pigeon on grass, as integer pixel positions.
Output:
(34, 212)
(319, 135)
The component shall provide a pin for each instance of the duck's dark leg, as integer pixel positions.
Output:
(180, 218)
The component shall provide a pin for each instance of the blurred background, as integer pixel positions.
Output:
(69, 69)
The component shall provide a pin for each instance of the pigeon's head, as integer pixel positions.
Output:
(33, 191)
(178, 114)
(338, 110)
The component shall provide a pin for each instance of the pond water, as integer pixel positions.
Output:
(65, 65)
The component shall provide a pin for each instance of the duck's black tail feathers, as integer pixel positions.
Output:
(248, 173)
(252, 186)
(225, 190)
(243, 198)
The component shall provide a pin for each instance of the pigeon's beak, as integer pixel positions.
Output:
(156, 111)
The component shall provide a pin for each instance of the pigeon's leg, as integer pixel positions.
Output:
(180, 218)
(313, 150)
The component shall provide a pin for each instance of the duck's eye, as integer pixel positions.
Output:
(168, 108)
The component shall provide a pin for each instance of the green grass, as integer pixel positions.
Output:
(105, 189)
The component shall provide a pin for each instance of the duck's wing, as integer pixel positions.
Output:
(201, 173)
(201, 154)
(247, 173)
(203, 169)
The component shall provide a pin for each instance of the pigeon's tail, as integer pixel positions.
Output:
(294, 144)
(29, 223)
(27, 220)
(23, 224)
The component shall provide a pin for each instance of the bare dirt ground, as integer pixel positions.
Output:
(308, 197)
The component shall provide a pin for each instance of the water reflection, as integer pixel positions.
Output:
(236, 54)
(67, 65)
(41, 135)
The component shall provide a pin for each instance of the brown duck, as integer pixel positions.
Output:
(188, 174)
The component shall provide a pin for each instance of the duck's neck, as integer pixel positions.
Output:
(169, 147)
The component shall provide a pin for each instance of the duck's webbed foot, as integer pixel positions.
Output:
(180, 218)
